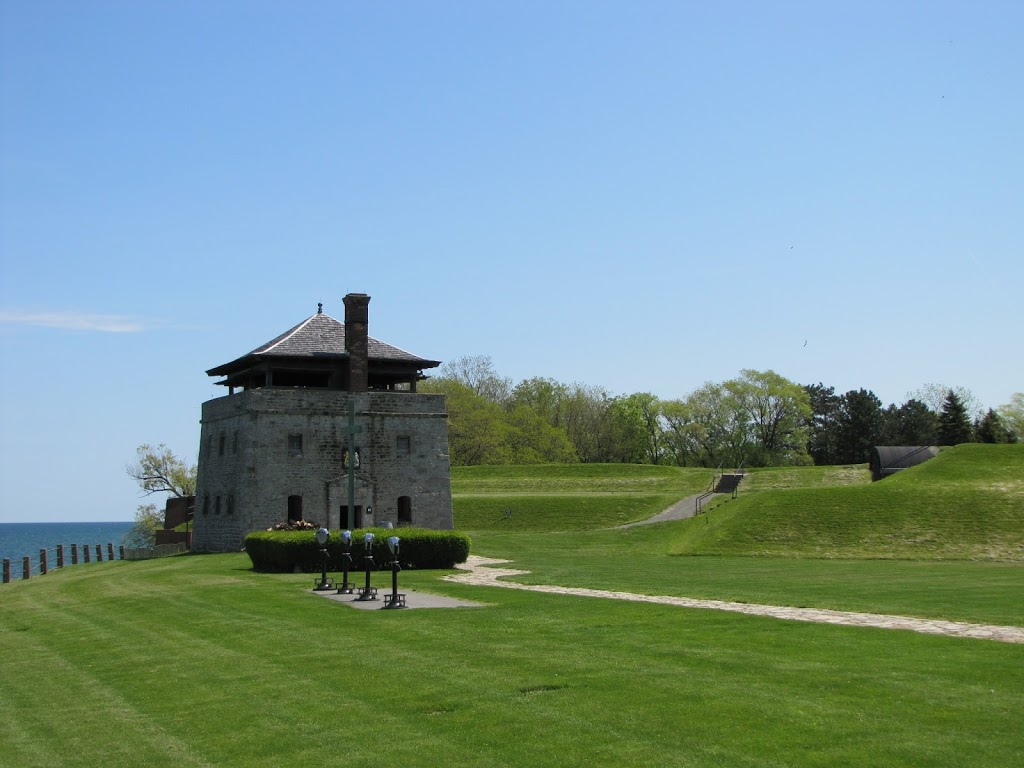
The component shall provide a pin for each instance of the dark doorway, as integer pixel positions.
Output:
(294, 508)
(405, 510)
(347, 520)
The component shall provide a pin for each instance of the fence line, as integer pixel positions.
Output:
(148, 553)
(45, 563)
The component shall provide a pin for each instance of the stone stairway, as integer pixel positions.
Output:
(728, 483)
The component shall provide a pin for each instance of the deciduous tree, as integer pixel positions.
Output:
(1012, 415)
(148, 520)
(477, 372)
(532, 440)
(934, 395)
(477, 429)
(683, 435)
(776, 411)
(587, 413)
(158, 470)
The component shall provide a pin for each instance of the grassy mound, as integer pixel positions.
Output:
(567, 497)
(967, 503)
(781, 478)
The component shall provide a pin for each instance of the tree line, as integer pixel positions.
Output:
(758, 418)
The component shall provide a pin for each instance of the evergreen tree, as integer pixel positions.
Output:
(913, 423)
(990, 429)
(860, 426)
(823, 424)
(954, 424)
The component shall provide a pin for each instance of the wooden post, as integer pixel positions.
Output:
(121, 550)
(99, 554)
(43, 565)
(110, 550)
(60, 555)
(85, 550)
(26, 567)
(7, 570)
(74, 554)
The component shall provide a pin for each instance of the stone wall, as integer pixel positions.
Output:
(261, 447)
(178, 509)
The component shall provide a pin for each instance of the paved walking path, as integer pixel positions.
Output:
(480, 571)
(679, 511)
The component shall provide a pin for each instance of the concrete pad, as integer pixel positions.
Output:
(412, 600)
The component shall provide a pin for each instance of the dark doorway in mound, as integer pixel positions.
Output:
(889, 459)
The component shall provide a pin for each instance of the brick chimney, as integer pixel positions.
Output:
(356, 335)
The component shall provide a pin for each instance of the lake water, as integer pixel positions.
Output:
(20, 539)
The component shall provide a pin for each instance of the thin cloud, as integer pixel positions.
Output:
(74, 321)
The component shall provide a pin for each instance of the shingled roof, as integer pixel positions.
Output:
(318, 337)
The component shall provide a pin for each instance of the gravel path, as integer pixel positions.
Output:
(480, 571)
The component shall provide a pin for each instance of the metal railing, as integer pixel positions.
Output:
(715, 479)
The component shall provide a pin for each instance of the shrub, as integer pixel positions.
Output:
(286, 551)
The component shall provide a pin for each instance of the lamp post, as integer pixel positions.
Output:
(346, 561)
(394, 600)
(322, 537)
(368, 592)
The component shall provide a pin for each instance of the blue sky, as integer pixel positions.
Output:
(639, 195)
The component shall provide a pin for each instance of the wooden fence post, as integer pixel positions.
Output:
(74, 554)
(7, 570)
(121, 548)
(44, 566)
(26, 567)
(85, 550)
(99, 554)
(110, 550)
(60, 555)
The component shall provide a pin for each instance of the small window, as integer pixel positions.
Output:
(221, 444)
(295, 445)
(231, 503)
(206, 504)
(216, 505)
(403, 446)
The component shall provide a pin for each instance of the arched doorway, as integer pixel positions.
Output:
(405, 510)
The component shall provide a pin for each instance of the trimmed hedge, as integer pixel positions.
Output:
(286, 551)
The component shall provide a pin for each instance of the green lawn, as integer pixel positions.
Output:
(639, 560)
(200, 661)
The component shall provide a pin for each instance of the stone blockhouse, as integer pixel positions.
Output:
(302, 409)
